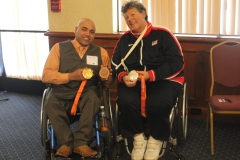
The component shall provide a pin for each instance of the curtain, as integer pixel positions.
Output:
(24, 46)
(219, 17)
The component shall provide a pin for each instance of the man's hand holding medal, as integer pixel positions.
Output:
(105, 75)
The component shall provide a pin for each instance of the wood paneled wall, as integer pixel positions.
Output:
(197, 69)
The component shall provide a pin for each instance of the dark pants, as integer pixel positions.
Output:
(161, 97)
(58, 111)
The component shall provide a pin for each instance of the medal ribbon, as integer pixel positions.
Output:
(79, 92)
(143, 95)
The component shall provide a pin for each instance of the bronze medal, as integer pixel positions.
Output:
(104, 73)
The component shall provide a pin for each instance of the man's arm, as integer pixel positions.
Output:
(106, 62)
(105, 57)
(50, 71)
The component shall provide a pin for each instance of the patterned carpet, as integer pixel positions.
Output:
(20, 134)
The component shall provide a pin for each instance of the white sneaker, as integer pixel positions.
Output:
(153, 149)
(139, 147)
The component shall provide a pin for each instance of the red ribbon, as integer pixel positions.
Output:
(76, 100)
(143, 95)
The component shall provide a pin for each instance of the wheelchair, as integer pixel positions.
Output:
(101, 142)
(180, 111)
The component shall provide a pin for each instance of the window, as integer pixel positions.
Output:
(219, 17)
(24, 46)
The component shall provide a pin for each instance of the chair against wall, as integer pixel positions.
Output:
(225, 84)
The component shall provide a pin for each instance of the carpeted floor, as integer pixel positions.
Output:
(20, 134)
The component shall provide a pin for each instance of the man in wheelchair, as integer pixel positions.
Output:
(73, 67)
(150, 80)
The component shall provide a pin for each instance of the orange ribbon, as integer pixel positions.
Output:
(79, 92)
(143, 95)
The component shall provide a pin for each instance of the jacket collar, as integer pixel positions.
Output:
(149, 25)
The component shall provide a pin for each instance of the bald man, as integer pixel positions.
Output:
(63, 68)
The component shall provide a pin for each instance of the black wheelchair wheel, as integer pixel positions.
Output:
(44, 119)
(180, 156)
(110, 134)
(50, 155)
(182, 114)
(106, 157)
(116, 152)
(108, 112)
(185, 122)
(177, 154)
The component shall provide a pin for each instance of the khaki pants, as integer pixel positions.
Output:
(58, 111)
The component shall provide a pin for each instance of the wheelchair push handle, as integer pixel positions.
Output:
(103, 120)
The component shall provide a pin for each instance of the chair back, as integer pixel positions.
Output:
(225, 66)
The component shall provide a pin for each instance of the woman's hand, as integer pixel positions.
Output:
(145, 74)
(128, 82)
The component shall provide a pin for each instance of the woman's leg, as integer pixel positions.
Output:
(161, 97)
(129, 106)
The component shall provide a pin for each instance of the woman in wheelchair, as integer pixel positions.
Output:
(73, 68)
(150, 76)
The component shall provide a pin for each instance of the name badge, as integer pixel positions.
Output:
(92, 60)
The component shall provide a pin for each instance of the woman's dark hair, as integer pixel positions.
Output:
(133, 4)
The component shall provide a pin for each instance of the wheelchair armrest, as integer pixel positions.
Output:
(49, 85)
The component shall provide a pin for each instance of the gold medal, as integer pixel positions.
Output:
(87, 73)
(104, 73)
(133, 75)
